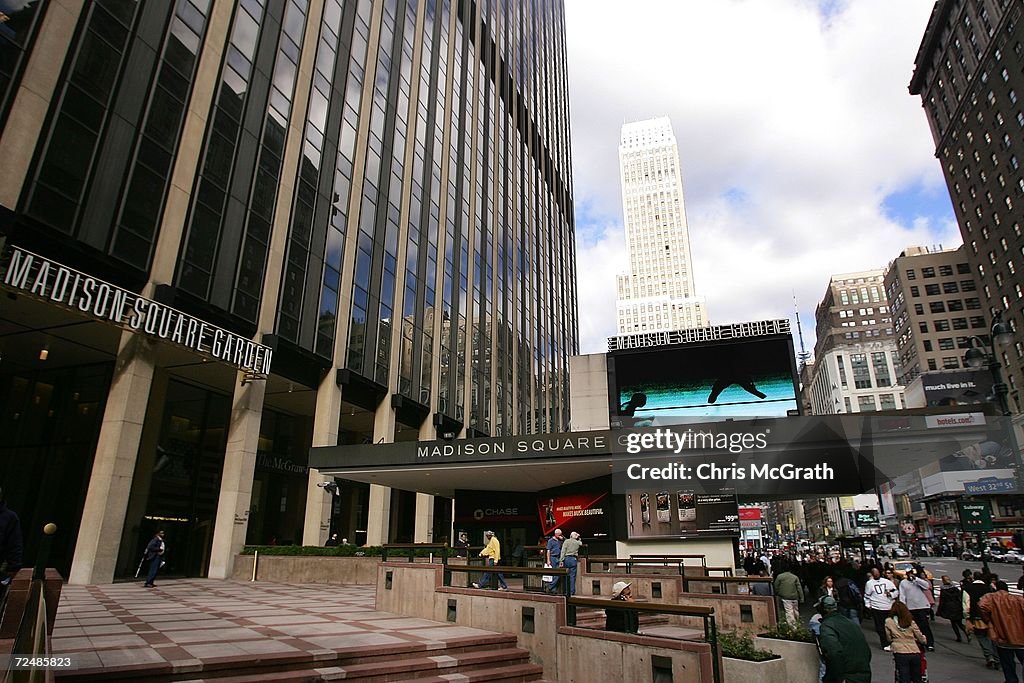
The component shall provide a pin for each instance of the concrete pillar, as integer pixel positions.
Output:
(379, 515)
(423, 531)
(236, 480)
(325, 433)
(106, 500)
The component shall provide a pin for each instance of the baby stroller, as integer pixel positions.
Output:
(924, 670)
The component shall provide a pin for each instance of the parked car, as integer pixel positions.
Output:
(969, 555)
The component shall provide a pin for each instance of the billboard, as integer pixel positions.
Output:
(681, 514)
(746, 377)
(867, 519)
(958, 388)
(585, 513)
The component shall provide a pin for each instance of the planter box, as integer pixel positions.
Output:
(742, 670)
(801, 658)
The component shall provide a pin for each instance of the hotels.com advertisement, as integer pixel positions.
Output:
(585, 513)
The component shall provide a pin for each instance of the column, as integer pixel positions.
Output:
(35, 92)
(379, 514)
(236, 480)
(106, 500)
(325, 433)
(423, 530)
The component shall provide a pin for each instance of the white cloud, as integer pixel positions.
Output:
(808, 120)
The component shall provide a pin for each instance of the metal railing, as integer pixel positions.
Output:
(706, 614)
(31, 640)
(723, 582)
(389, 549)
(561, 572)
(664, 561)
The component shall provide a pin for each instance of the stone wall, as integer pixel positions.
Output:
(308, 569)
(538, 621)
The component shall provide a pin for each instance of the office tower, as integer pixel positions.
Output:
(855, 362)
(935, 308)
(658, 292)
(969, 73)
(315, 222)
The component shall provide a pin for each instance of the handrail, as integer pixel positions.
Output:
(505, 569)
(723, 580)
(443, 547)
(31, 639)
(661, 560)
(706, 614)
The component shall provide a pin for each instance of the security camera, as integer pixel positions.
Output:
(330, 487)
(448, 436)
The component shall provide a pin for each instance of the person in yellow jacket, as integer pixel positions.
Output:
(491, 551)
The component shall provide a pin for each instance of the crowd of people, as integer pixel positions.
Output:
(902, 605)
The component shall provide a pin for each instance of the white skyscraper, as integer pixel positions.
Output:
(657, 293)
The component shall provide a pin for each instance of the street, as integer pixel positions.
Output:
(952, 662)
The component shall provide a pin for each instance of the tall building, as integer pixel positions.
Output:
(969, 73)
(235, 230)
(936, 309)
(855, 363)
(658, 292)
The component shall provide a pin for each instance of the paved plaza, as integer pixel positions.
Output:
(201, 625)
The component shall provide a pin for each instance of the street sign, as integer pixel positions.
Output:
(975, 516)
(990, 485)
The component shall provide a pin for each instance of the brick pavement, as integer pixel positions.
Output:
(191, 624)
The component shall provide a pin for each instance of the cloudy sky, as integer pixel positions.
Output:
(803, 153)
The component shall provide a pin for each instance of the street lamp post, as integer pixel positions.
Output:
(977, 358)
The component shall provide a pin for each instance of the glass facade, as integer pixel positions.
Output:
(380, 189)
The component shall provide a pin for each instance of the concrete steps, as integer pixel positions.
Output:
(479, 658)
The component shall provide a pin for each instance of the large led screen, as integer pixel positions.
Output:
(753, 377)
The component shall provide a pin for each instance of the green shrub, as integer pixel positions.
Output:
(786, 631)
(741, 646)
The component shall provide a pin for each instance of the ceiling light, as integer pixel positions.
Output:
(44, 353)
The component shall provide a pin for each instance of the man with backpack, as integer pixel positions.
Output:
(849, 598)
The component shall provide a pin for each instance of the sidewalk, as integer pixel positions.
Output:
(952, 662)
(191, 625)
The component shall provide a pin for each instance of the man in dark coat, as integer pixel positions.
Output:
(10, 543)
(846, 651)
(155, 556)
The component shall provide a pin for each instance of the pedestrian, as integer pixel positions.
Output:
(155, 550)
(997, 583)
(846, 652)
(814, 626)
(791, 593)
(902, 630)
(332, 541)
(622, 620)
(828, 589)
(951, 598)
(10, 544)
(762, 588)
(569, 558)
(879, 594)
(849, 598)
(1005, 616)
(914, 594)
(1020, 581)
(554, 552)
(462, 545)
(976, 623)
(491, 551)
